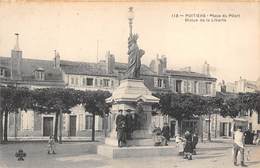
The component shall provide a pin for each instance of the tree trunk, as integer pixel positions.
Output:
(1, 127)
(179, 129)
(56, 127)
(5, 127)
(93, 127)
(61, 125)
(209, 135)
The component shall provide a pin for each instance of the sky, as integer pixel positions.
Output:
(83, 31)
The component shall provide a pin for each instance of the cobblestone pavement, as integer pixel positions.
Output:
(79, 155)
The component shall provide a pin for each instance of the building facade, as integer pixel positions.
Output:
(103, 75)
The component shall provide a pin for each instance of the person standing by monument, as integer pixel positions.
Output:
(129, 126)
(121, 129)
(166, 133)
(239, 145)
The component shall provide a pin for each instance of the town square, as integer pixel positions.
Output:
(119, 84)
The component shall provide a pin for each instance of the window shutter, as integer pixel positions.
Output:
(155, 82)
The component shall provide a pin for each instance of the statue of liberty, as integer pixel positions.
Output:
(134, 57)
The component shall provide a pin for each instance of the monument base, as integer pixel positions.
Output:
(134, 142)
(136, 151)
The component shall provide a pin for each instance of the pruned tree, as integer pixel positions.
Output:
(55, 100)
(211, 105)
(12, 100)
(180, 106)
(95, 103)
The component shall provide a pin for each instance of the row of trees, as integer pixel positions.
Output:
(50, 100)
(59, 101)
(188, 106)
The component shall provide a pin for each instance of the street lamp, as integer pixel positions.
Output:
(130, 19)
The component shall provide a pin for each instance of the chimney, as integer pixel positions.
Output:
(110, 63)
(16, 60)
(164, 63)
(206, 69)
(56, 59)
(159, 64)
(223, 87)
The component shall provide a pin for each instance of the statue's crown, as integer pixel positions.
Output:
(134, 37)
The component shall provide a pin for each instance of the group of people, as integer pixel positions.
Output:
(161, 137)
(251, 137)
(124, 128)
(187, 144)
(241, 138)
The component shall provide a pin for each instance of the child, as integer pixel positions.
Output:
(180, 144)
(51, 145)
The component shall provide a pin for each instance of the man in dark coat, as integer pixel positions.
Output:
(195, 140)
(121, 129)
(247, 135)
(166, 133)
(129, 126)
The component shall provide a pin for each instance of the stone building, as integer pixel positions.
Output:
(103, 75)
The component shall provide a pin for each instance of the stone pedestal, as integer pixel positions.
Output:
(136, 151)
(125, 98)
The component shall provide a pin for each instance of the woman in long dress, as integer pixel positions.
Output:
(188, 149)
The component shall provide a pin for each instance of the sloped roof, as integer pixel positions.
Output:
(30, 65)
(86, 68)
(188, 74)
(83, 68)
(4, 62)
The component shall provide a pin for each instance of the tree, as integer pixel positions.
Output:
(211, 105)
(240, 104)
(12, 100)
(55, 100)
(180, 106)
(95, 103)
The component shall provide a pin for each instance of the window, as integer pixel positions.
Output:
(229, 129)
(84, 81)
(185, 86)
(208, 88)
(2, 72)
(202, 88)
(106, 82)
(89, 81)
(96, 82)
(178, 86)
(101, 82)
(39, 74)
(223, 129)
(112, 83)
(195, 86)
(76, 81)
(160, 83)
(189, 86)
(27, 120)
(72, 80)
(89, 121)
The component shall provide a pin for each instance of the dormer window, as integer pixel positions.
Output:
(39, 74)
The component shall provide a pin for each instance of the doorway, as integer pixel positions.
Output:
(47, 126)
(173, 124)
(72, 131)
